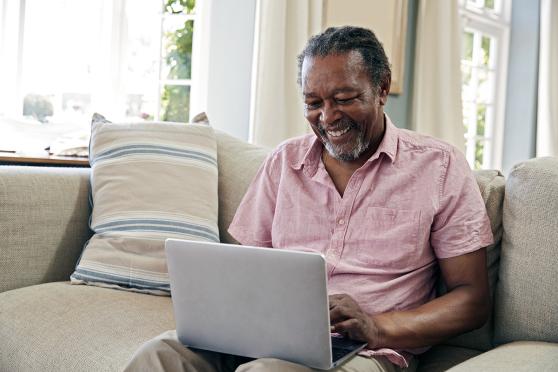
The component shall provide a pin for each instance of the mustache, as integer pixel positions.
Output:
(344, 122)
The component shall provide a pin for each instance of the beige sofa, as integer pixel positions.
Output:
(46, 324)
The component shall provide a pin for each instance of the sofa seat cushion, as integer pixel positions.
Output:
(517, 356)
(63, 327)
(442, 357)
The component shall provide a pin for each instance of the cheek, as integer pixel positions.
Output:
(312, 117)
(314, 124)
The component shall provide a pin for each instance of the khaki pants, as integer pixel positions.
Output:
(166, 353)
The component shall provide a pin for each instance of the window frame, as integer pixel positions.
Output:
(495, 24)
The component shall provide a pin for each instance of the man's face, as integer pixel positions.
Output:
(342, 106)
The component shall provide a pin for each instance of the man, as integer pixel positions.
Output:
(387, 207)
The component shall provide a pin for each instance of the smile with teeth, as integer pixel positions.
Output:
(338, 133)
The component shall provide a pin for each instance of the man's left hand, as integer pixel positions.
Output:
(347, 318)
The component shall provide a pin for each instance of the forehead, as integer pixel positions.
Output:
(333, 70)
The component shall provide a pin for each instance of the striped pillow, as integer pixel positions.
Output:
(149, 182)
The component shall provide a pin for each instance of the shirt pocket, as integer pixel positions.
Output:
(389, 238)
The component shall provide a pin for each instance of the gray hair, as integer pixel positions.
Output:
(341, 40)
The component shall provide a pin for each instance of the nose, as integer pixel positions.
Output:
(328, 113)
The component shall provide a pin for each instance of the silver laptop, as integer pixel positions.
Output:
(254, 302)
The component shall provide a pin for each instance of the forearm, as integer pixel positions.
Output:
(460, 310)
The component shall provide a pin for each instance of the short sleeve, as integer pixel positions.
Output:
(253, 220)
(461, 224)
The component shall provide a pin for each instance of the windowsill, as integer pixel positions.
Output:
(7, 158)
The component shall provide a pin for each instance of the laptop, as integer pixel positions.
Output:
(254, 302)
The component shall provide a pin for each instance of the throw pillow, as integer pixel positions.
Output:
(149, 181)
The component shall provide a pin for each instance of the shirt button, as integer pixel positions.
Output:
(341, 221)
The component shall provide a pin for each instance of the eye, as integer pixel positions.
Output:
(345, 100)
(312, 105)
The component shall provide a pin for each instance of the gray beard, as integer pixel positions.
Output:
(337, 153)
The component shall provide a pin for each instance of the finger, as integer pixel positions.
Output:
(346, 325)
(337, 297)
(340, 313)
(350, 327)
(333, 301)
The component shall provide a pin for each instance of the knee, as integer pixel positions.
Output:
(271, 365)
(154, 352)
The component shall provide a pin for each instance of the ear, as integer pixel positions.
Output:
(384, 92)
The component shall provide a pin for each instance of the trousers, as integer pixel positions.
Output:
(166, 353)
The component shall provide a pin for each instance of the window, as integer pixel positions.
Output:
(62, 60)
(484, 60)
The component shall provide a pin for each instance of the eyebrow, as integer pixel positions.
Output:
(336, 91)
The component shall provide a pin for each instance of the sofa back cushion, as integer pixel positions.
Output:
(527, 295)
(43, 224)
(238, 163)
(491, 184)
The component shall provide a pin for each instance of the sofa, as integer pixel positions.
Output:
(47, 324)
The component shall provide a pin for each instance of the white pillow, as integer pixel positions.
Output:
(149, 182)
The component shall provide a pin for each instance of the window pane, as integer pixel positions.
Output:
(486, 48)
(468, 92)
(475, 3)
(180, 6)
(177, 48)
(481, 4)
(60, 47)
(481, 119)
(467, 52)
(485, 86)
(468, 108)
(67, 74)
(479, 152)
(142, 58)
(175, 103)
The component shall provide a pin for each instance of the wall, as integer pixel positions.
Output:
(521, 99)
(399, 106)
(231, 35)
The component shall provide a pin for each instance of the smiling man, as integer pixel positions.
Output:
(389, 209)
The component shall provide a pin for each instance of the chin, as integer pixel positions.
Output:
(345, 155)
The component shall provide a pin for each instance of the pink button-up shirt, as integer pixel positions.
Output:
(413, 202)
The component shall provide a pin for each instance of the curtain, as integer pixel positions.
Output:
(547, 110)
(436, 107)
(282, 29)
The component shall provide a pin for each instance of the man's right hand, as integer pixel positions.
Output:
(348, 318)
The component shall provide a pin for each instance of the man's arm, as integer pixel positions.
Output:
(466, 306)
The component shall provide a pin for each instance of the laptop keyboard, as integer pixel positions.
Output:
(342, 346)
(337, 354)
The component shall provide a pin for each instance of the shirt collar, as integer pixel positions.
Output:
(310, 161)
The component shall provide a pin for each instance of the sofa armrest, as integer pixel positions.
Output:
(44, 214)
(516, 356)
